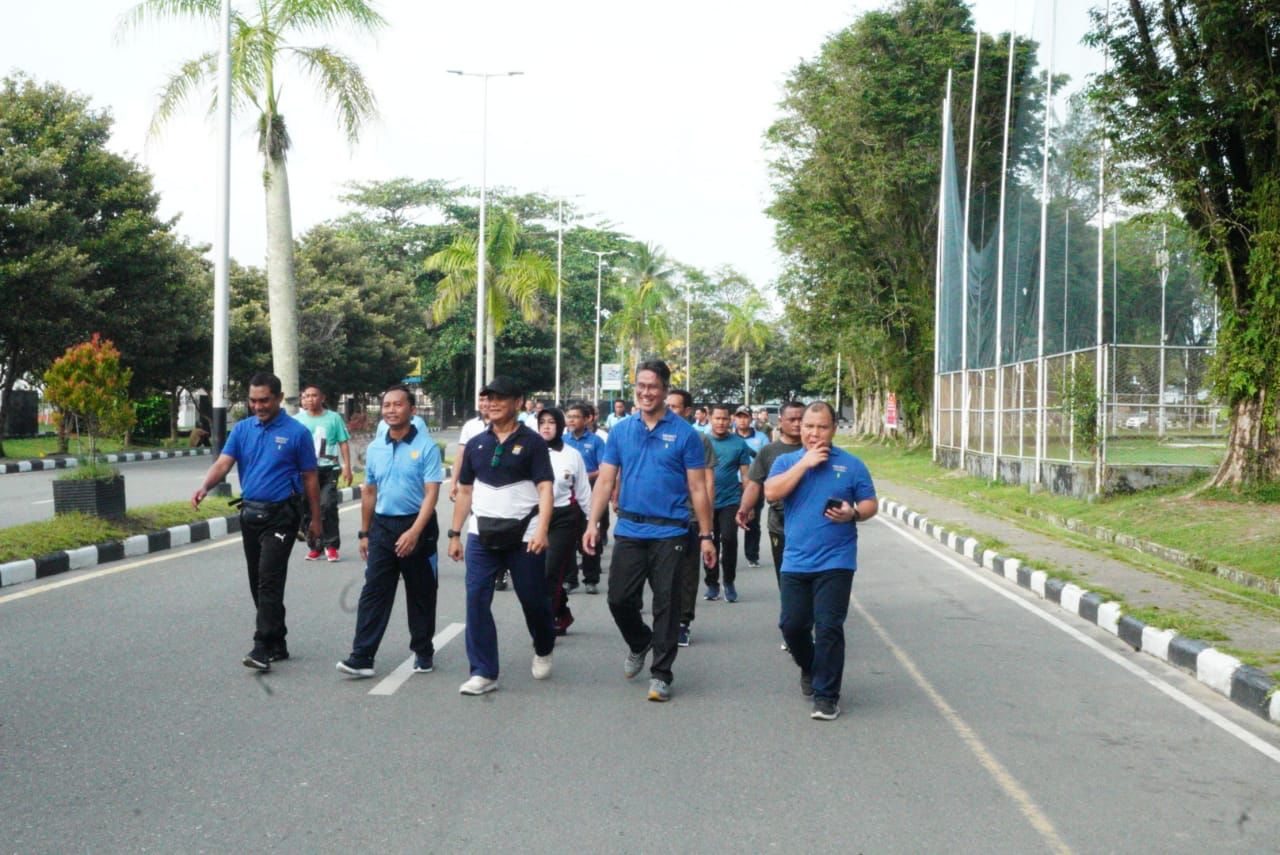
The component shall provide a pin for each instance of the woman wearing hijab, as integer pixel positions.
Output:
(571, 504)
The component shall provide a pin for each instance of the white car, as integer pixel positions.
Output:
(1139, 421)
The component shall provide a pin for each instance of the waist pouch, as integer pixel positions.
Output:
(286, 514)
(503, 533)
(637, 518)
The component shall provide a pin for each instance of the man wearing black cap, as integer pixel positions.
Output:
(505, 477)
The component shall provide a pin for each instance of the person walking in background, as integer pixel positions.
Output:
(571, 503)
(472, 427)
(277, 466)
(329, 433)
(755, 440)
(733, 457)
(505, 477)
(398, 534)
(579, 435)
(701, 420)
(529, 418)
(762, 423)
(619, 413)
(825, 492)
(788, 440)
(659, 460)
(680, 402)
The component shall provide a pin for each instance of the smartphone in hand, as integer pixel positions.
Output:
(833, 504)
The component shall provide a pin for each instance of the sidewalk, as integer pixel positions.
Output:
(42, 463)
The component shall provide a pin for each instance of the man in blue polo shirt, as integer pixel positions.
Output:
(659, 459)
(277, 463)
(398, 533)
(825, 491)
(578, 434)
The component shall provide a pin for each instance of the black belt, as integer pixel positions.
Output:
(665, 521)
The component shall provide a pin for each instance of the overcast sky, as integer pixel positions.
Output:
(654, 113)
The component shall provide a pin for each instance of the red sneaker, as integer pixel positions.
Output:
(313, 555)
(330, 553)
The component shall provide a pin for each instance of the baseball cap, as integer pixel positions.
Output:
(742, 411)
(502, 387)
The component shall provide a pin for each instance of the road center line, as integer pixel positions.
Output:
(1258, 744)
(1003, 777)
(97, 574)
(397, 678)
(43, 502)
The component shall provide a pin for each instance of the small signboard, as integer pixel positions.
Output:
(611, 376)
(891, 412)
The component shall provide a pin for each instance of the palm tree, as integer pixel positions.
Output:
(642, 322)
(259, 46)
(514, 281)
(745, 331)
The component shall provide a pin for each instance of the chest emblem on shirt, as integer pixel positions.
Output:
(281, 441)
(516, 449)
(840, 469)
(414, 454)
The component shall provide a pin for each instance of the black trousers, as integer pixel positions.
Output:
(591, 563)
(564, 538)
(751, 543)
(689, 575)
(777, 543)
(266, 552)
(328, 508)
(724, 525)
(658, 562)
(382, 572)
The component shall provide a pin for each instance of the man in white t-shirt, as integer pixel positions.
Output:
(470, 428)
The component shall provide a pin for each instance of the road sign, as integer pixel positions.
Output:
(611, 376)
(891, 412)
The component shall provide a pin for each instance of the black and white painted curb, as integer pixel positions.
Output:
(1245, 685)
(40, 464)
(63, 561)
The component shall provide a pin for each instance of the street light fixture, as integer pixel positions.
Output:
(599, 274)
(481, 328)
(1162, 259)
(222, 252)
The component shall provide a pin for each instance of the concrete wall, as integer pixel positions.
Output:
(1068, 479)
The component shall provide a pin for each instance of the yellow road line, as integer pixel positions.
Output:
(1002, 776)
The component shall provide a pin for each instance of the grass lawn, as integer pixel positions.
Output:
(29, 449)
(1228, 528)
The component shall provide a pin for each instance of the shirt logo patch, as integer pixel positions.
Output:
(414, 454)
(281, 440)
(516, 449)
(839, 469)
(668, 437)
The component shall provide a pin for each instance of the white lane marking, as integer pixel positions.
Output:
(43, 502)
(96, 574)
(1002, 776)
(1263, 747)
(397, 678)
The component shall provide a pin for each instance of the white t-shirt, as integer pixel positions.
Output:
(571, 479)
(470, 429)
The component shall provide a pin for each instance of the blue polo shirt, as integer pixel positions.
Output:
(590, 446)
(731, 452)
(815, 543)
(755, 441)
(654, 478)
(270, 458)
(400, 469)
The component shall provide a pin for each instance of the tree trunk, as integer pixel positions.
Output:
(1253, 455)
(173, 415)
(491, 348)
(746, 378)
(282, 295)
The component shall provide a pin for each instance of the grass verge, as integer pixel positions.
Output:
(44, 446)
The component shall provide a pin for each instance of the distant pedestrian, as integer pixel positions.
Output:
(276, 463)
(755, 439)
(578, 434)
(593, 422)
(702, 420)
(732, 459)
(619, 413)
(762, 423)
(472, 427)
(825, 492)
(398, 534)
(505, 477)
(529, 418)
(680, 402)
(659, 460)
(333, 465)
(788, 433)
(571, 504)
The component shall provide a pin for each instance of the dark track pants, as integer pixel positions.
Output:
(690, 574)
(328, 509)
(382, 573)
(564, 538)
(266, 553)
(724, 525)
(751, 542)
(528, 576)
(814, 608)
(658, 562)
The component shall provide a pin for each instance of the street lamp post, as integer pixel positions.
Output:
(559, 287)
(222, 251)
(599, 276)
(1162, 258)
(481, 329)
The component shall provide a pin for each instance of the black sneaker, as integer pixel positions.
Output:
(501, 584)
(570, 587)
(825, 709)
(279, 654)
(258, 659)
(423, 664)
(356, 667)
(806, 684)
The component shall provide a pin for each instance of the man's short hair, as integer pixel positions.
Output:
(398, 387)
(657, 366)
(580, 407)
(823, 406)
(728, 408)
(701, 409)
(316, 386)
(266, 378)
(686, 400)
(793, 404)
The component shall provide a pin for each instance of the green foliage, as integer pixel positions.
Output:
(153, 416)
(1080, 405)
(89, 384)
(89, 469)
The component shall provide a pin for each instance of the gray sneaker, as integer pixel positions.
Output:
(634, 663)
(825, 709)
(659, 690)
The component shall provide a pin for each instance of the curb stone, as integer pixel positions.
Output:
(41, 464)
(1244, 685)
(63, 561)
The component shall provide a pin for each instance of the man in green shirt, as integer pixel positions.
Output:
(329, 432)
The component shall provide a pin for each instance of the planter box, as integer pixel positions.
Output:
(100, 498)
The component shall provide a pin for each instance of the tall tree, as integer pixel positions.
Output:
(642, 320)
(744, 331)
(260, 46)
(1192, 106)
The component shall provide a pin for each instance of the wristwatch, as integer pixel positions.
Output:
(452, 533)
(361, 535)
(706, 537)
(857, 517)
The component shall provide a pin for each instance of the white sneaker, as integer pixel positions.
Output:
(478, 685)
(541, 666)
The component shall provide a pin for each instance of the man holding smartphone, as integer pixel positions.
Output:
(825, 492)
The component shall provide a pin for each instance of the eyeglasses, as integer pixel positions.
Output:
(648, 387)
(497, 455)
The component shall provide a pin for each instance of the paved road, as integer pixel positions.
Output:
(976, 720)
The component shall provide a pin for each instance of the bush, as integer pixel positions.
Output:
(89, 383)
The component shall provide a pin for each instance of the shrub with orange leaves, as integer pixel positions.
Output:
(89, 383)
